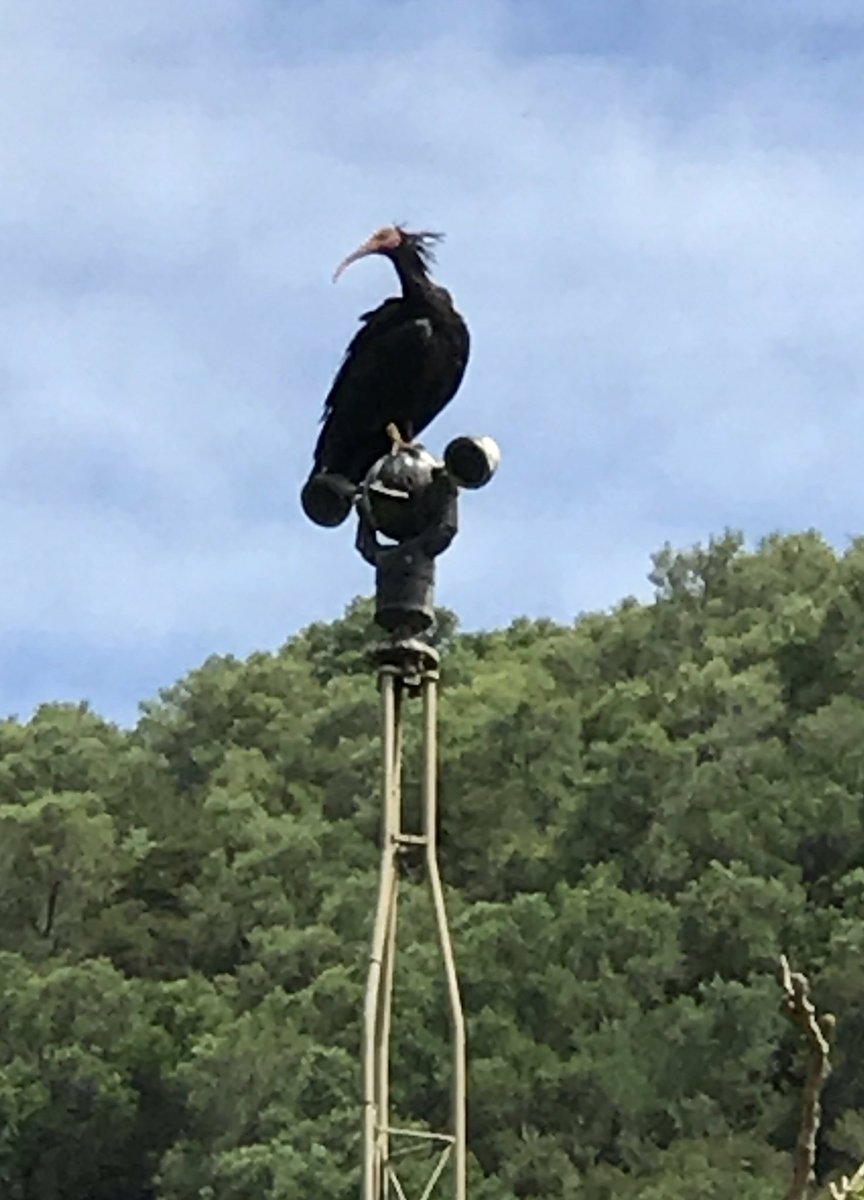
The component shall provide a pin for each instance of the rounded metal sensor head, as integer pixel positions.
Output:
(395, 492)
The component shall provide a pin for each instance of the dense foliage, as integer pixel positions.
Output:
(640, 812)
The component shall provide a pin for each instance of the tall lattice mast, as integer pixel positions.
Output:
(412, 500)
(407, 669)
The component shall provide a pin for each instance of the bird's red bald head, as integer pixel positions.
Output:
(384, 241)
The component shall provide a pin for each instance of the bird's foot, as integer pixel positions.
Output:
(398, 442)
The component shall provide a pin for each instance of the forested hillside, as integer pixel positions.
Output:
(640, 811)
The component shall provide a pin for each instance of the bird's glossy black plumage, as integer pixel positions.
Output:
(403, 366)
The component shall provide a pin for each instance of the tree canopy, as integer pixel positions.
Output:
(640, 811)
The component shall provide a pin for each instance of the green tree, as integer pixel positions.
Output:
(639, 812)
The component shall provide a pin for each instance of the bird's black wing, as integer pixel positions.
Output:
(382, 327)
(377, 377)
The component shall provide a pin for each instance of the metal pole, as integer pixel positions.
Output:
(408, 514)
(457, 1018)
(390, 836)
(400, 677)
(372, 1009)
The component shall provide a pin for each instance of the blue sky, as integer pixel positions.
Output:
(654, 229)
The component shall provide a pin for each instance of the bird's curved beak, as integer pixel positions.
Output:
(369, 247)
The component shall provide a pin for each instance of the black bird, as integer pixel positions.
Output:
(401, 368)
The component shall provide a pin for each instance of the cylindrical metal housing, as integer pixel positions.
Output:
(405, 590)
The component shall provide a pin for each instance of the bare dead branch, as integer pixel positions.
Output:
(818, 1033)
(848, 1185)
